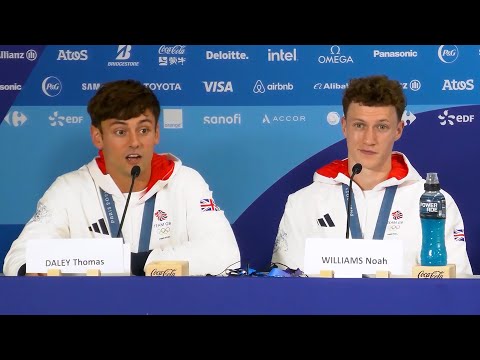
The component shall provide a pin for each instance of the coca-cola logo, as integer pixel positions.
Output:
(430, 275)
(171, 50)
(164, 272)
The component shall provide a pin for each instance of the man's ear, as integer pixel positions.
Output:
(97, 138)
(157, 133)
(400, 127)
(344, 126)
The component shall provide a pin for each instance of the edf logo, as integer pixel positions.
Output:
(51, 86)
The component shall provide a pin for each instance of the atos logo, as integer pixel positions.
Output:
(51, 86)
(70, 55)
(218, 86)
(456, 85)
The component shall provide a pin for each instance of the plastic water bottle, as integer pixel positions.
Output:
(432, 216)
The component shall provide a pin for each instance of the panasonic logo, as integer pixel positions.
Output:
(395, 54)
(10, 87)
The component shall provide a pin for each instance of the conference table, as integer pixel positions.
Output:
(242, 295)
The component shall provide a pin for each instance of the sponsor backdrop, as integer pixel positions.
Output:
(255, 120)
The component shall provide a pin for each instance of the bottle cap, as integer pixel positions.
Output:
(431, 182)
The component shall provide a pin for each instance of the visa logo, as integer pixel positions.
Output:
(218, 86)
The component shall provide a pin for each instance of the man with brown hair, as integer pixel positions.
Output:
(171, 214)
(386, 192)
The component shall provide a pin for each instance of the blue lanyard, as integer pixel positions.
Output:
(113, 223)
(382, 216)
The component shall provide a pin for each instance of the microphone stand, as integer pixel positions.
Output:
(135, 172)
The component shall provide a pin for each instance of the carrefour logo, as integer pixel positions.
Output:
(51, 86)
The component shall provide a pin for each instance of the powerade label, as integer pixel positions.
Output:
(432, 208)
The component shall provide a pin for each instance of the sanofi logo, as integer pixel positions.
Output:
(448, 53)
(235, 119)
(51, 86)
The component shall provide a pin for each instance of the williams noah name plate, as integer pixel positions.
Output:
(77, 256)
(167, 268)
(351, 258)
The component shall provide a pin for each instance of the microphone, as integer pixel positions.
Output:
(356, 169)
(135, 172)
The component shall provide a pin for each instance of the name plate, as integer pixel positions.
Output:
(77, 256)
(353, 257)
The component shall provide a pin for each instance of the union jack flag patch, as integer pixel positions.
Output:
(458, 235)
(208, 205)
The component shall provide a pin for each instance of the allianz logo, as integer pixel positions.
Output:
(30, 55)
(458, 85)
(225, 55)
(260, 88)
(395, 54)
(218, 86)
(235, 119)
(413, 85)
(70, 55)
(282, 55)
